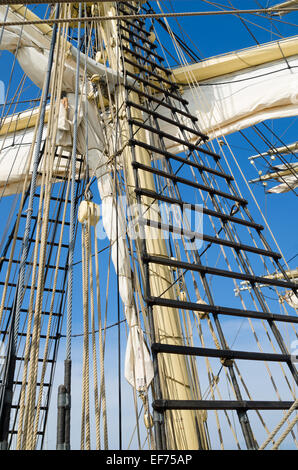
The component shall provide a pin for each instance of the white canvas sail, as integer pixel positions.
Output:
(287, 175)
(231, 102)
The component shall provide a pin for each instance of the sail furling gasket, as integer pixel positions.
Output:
(157, 180)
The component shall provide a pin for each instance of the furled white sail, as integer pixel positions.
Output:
(14, 150)
(138, 365)
(286, 6)
(287, 175)
(31, 48)
(15, 144)
(238, 100)
(31, 45)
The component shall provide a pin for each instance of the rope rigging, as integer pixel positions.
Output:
(166, 292)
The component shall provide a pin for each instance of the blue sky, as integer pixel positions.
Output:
(212, 35)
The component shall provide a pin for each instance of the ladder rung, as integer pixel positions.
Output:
(159, 78)
(179, 179)
(16, 407)
(46, 289)
(221, 354)
(156, 87)
(30, 263)
(164, 118)
(138, 28)
(147, 50)
(65, 157)
(31, 240)
(220, 215)
(207, 238)
(14, 431)
(162, 405)
(21, 358)
(24, 310)
(45, 384)
(219, 310)
(133, 33)
(34, 217)
(52, 198)
(161, 102)
(167, 154)
(133, 8)
(5, 332)
(146, 59)
(55, 177)
(166, 135)
(218, 272)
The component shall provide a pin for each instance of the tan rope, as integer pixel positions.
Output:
(83, 414)
(28, 441)
(23, 432)
(286, 432)
(101, 351)
(38, 308)
(148, 15)
(85, 436)
(84, 337)
(94, 355)
(44, 364)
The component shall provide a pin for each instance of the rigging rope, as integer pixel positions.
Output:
(83, 19)
(287, 430)
(87, 263)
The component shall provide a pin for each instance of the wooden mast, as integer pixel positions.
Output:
(184, 429)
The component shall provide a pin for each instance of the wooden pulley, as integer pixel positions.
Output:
(148, 420)
(152, 37)
(88, 210)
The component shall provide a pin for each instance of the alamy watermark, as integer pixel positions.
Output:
(153, 221)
